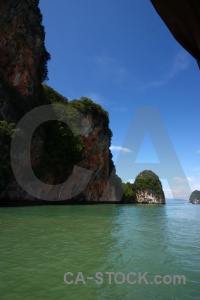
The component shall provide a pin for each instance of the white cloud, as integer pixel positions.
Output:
(180, 179)
(180, 63)
(178, 192)
(197, 170)
(131, 180)
(119, 148)
(181, 191)
(96, 97)
(155, 84)
(108, 68)
(189, 179)
(120, 109)
(168, 193)
(194, 182)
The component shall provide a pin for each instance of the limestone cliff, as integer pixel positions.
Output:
(149, 196)
(195, 197)
(54, 149)
(22, 49)
(147, 189)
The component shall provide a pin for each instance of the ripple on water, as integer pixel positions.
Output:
(39, 244)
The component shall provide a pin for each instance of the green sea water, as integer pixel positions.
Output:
(38, 245)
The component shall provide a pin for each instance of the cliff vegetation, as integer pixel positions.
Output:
(147, 188)
(55, 147)
(195, 197)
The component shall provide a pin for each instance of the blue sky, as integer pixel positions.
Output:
(120, 54)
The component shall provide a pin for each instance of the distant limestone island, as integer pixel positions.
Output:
(195, 197)
(146, 189)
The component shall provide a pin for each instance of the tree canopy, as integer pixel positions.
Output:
(195, 196)
(145, 181)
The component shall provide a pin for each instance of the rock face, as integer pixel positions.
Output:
(149, 197)
(148, 188)
(183, 20)
(22, 50)
(95, 157)
(54, 149)
(195, 197)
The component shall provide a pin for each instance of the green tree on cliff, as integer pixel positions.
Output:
(147, 180)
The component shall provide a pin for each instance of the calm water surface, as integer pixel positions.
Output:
(38, 245)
